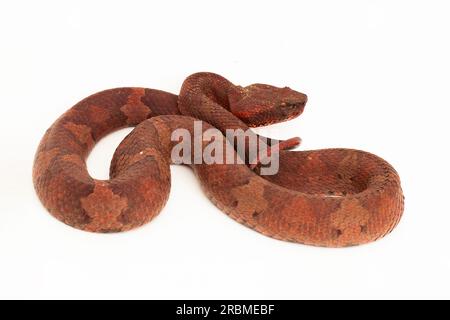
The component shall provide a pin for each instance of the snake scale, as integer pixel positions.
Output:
(328, 197)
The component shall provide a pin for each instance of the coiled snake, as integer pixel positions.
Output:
(330, 197)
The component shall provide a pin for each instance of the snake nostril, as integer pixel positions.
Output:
(255, 214)
(337, 233)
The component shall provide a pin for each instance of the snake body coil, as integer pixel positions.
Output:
(330, 197)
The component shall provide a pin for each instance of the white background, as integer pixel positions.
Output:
(377, 74)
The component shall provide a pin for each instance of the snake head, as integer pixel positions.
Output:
(261, 104)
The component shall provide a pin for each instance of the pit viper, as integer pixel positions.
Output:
(329, 197)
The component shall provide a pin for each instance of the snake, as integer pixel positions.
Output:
(335, 197)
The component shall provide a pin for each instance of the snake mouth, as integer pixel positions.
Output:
(293, 105)
(285, 112)
(290, 110)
